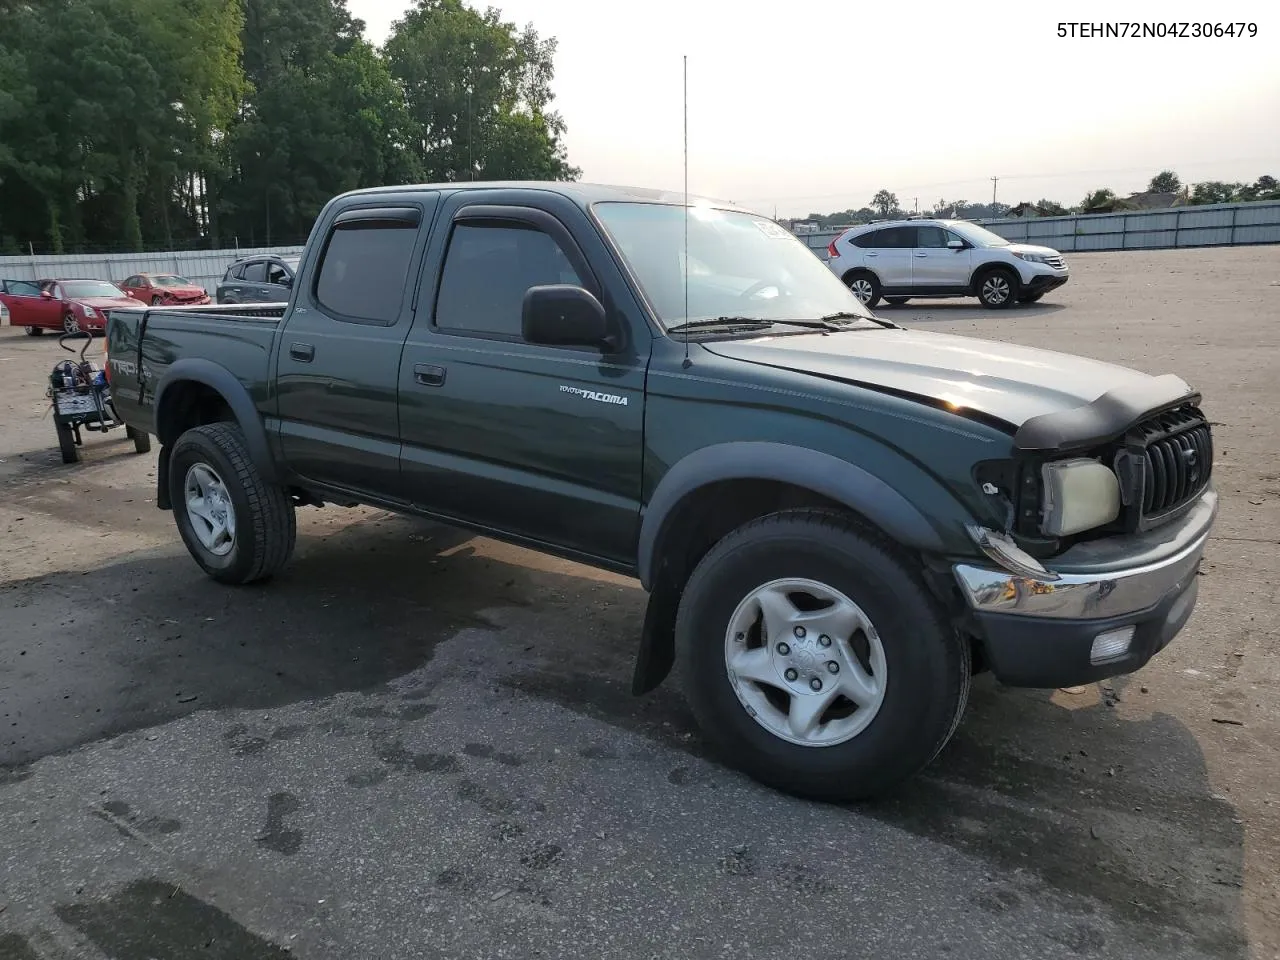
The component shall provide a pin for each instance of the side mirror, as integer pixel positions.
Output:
(564, 315)
(287, 282)
(956, 244)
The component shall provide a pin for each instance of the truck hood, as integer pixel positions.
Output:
(994, 380)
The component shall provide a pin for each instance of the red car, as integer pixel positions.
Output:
(68, 305)
(165, 288)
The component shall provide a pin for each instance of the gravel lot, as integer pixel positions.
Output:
(416, 743)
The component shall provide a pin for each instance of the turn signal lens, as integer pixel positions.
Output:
(1112, 645)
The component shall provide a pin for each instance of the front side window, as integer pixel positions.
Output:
(931, 237)
(20, 288)
(255, 272)
(363, 272)
(487, 270)
(739, 264)
(276, 273)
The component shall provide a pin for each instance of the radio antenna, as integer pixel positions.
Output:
(686, 211)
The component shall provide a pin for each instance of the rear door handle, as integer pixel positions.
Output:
(302, 352)
(427, 375)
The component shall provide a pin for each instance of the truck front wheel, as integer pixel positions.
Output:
(237, 527)
(816, 661)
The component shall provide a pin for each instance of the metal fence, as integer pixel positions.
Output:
(204, 267)
(1212, 225)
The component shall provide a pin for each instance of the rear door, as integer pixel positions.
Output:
(934, 265)
(888, 253)
(27, 308)
(339, 351)
(542, 442)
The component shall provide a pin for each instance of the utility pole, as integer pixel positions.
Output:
(994, 181)
(917, 203)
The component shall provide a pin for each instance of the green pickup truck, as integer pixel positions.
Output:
(838, 521)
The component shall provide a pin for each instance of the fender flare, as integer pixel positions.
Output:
(987, 267)
(837, 479)
(219, 378)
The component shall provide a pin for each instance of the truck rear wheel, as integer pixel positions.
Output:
(816, 661)
(237, 527)
(141, 439)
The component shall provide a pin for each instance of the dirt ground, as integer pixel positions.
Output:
(418, 743)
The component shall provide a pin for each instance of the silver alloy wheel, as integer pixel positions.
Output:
(209, 508)
(862, 289)
(805, 662)
(70, 324)
(995, 289)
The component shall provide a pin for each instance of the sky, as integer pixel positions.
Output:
(810, 106)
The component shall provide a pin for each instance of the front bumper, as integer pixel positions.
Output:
(1044, 282)
(1039, 633)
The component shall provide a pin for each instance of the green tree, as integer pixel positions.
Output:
(884, 202)
(1214, 191)
(1166, 181)
(1098, 198)
(479, 94)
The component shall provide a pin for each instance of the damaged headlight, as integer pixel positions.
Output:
(1078, 495)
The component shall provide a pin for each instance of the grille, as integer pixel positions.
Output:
(1177, 461)
(1056, 262)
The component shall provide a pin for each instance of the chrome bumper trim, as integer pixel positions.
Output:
(1087, 596)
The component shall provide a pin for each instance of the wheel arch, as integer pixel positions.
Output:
(982, 270)
(852, 272)
(718, 488)
(194, 392)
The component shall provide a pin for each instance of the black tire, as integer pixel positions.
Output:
(1030, 297)
(35, 331)
(927, 665)
(141, 439)
(865, 286)
(997, 288)
(67, 443)
(265, 525)
(896, 301)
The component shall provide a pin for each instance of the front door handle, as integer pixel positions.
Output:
(873, 254)
(922, 255)
(302, 352)
(427, 375)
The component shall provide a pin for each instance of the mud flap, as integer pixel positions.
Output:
(657, 639)
(162, 480)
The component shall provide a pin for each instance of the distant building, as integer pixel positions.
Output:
(1146, 200)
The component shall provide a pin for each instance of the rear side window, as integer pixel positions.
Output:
(362, 275)
(890, 238)
(487, 270)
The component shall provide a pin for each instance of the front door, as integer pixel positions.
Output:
(27, 308)
(934, 265)
(338, 355)
(543, 442)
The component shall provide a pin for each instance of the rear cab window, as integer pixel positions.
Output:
(364, 268)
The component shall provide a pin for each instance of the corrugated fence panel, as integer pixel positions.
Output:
(1224, 224)
(204, 267)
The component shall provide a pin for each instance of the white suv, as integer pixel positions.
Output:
(902, 259)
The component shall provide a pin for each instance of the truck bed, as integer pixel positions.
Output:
(141, 350)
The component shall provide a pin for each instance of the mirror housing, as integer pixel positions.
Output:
(287, 282)
(46, 294)
(956, 245)
(564, 315)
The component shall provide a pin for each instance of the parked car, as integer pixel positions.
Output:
(902, 259)
(838, 520)
(4, 314)
(258, 279)
(165, 289)
(69, 305)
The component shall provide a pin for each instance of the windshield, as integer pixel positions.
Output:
(978, 236)
(171, 281)
(83, 289)
(740, 265)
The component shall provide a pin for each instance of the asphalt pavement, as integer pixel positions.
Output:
(418, 743)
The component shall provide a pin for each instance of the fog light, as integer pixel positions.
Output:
(1111, 645)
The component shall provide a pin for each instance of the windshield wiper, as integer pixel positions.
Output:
(722, 323)
(849, 315)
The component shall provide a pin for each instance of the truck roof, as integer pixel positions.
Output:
(583, 194)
